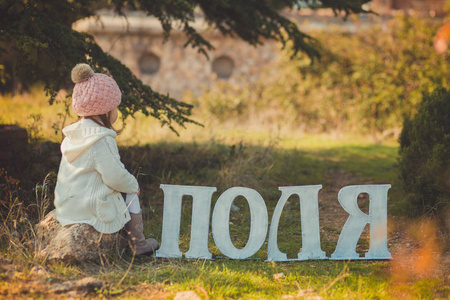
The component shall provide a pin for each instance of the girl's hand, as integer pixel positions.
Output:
(139, 192)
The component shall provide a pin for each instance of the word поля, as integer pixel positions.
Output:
(309, 213)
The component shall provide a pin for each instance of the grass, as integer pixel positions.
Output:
(222, 157)
(255, 279)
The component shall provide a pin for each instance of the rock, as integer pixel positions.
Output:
(74, 243)
(82, 286)
(279, 276)
(39, 271)
(7, 269)
(187, 295)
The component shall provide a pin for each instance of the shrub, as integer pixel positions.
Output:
(367, 81)
(425, 155)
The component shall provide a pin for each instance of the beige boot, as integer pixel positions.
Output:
(135, 230)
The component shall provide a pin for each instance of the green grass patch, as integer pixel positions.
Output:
(256, 279)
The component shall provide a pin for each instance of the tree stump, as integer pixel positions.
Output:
(13, 147)
(74, 243)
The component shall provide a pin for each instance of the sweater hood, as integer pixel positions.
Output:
(82, 135)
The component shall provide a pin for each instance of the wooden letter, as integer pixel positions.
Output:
(309, 214)
(377, 218)
(201, 210)
(221, 222)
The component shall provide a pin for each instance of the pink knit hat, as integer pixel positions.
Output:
(94, 93)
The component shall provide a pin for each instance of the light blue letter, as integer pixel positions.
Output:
(221, 222)
(309, 214)
(201, 210)
(377, 218)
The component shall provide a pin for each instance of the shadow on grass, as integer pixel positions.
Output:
(263, 169)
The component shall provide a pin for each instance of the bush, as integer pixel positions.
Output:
(425, 155)
(365, 82)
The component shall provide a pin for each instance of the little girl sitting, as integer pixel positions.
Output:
(93, 186)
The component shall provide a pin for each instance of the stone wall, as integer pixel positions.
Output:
(169, 67)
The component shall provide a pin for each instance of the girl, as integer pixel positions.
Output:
(92, 182)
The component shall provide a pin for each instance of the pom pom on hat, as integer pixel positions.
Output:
(94, 93)
(81, 72)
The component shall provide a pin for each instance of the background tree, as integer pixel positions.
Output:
(365, 82)
(38, 44)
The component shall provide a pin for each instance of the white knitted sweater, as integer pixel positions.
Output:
(91, 177)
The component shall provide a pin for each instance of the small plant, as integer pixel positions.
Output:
(18, 216)
(44, 195)
(14, 229)
(425, 155)
(34, 128)
(63, 117)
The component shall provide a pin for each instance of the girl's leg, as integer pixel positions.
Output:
(132, 202)
(135, 227)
